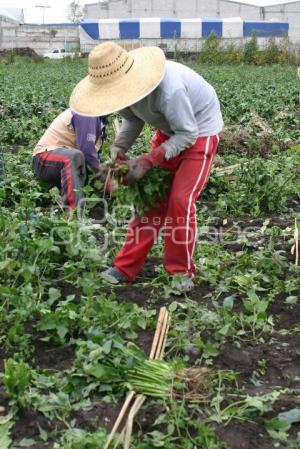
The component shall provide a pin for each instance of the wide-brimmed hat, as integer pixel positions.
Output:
(117, 78)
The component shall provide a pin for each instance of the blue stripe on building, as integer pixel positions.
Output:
(265, 29)
(170, 28)
(92, 29)
(129, 28)
(212, 25)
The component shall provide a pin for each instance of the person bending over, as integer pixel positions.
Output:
(185, 111)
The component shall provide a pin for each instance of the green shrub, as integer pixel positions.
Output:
(216, 51)
(275, 53)
(231, 54)
(251, 50)
(211, 49)
(272, 52)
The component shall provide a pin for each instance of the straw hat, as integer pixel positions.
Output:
(117, 79)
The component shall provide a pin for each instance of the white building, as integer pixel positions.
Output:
(286, 11)
(11, 15)
(15, 34)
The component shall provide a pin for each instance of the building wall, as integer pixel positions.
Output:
(41, 38)
(118, 9)
(7, 22)
(289, 12)
(168, 8)
(176, 35)
(246, 12)
(15, 15)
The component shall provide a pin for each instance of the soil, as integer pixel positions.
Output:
(47, 356)
(286, 316)
(240, 141)
(100, 414)
(139, 293)
(244, 435)
(68, 288)
(277, 362)
(97, 213)
(27, 426)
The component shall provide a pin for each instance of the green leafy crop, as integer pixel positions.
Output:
(147, 192)
(16, 380)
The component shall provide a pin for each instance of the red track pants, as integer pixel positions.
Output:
(177, 213)
(63, 168)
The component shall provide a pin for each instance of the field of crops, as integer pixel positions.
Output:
(68, 342)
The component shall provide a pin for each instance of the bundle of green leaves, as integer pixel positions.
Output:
(154, 378)
(146, 193)
(161, 379)
(102, 363)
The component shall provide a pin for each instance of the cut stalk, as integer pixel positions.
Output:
(119, 419)
(162, 353)
(158, 353)
(161, 315)
(155, 353)
(221, 171)
(120, 438)
(106, 182)
(140, 399)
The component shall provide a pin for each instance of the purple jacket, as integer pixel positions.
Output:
(88, 131)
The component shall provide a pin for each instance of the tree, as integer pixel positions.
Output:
(75, 14)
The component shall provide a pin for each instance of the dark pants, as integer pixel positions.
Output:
(63, 168)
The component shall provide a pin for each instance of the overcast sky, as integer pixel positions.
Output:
(56, 13)
(58, 8)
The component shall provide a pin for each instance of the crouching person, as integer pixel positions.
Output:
(71, 143)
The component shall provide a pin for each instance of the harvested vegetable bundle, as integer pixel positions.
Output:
(152, 378)
(144, 193)
(105, 363)
(115, 169)
(158, 378)
(156, 353)
(147, 192)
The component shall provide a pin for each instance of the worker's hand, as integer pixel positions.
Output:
(137, 169)
(118, 154)
(109, 184)
(101, 175)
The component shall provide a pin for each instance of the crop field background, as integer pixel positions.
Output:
(67, 340)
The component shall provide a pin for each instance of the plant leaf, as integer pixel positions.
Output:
(291, 416)
(5, 439)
